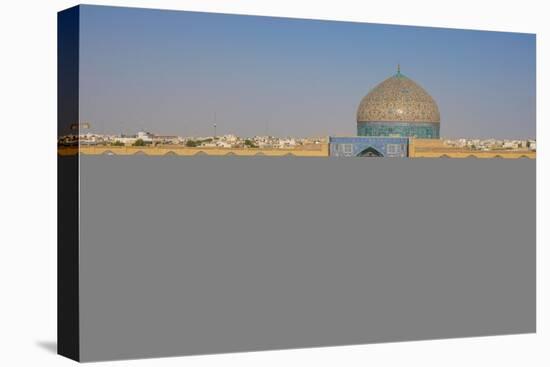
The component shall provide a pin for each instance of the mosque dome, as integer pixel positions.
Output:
(398, 98)
(398, 106)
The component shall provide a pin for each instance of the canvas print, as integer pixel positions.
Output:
(232, 183)
(185, 84)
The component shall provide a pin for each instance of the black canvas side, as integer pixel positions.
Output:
(68, 344)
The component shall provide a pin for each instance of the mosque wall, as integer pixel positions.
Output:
(435, 148)
(318, 150)
(365, 146)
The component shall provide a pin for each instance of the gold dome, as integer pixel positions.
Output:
(398, 99)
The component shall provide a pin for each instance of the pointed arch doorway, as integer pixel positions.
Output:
(370, 152)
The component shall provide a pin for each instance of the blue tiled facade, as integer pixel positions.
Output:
(368, 146)
(422, 130)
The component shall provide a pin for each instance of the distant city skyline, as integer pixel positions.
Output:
(178, 73)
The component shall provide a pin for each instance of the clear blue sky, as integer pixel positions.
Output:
(174, 72)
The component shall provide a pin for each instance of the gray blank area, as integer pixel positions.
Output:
(194, 255)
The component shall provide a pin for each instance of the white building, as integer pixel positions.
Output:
(145, 136)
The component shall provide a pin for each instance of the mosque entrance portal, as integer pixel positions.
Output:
(370, 152)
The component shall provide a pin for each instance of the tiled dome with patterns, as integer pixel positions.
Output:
(398, 106)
